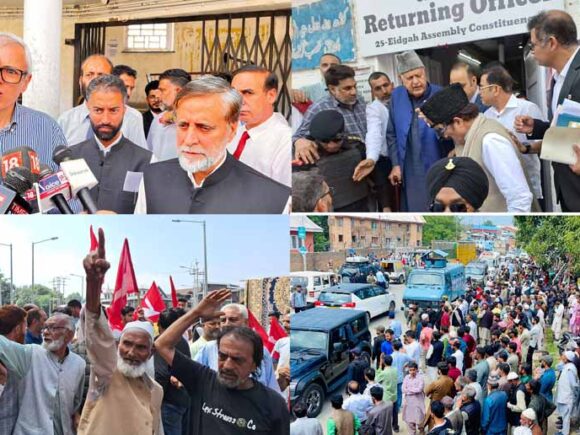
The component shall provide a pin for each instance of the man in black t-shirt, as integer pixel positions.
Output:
(229, 401)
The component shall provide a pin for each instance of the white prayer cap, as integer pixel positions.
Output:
(530, 414)
(569, 355)
(143, 326)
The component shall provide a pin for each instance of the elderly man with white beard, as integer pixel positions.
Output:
(122, 398)
(52, 379)
(205, 178)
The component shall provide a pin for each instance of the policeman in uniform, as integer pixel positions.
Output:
(340, 155)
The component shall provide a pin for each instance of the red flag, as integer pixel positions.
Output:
(152, 303)
(126, 283)
(94, 241)
(174, 300)
(276, 333)
(257, 327)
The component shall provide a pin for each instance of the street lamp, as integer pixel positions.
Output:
(36, 243)
(204, 250)
(11, 274)
(82, 283)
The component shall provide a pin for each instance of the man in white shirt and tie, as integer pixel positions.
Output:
(75, 122)
(163, 133)
(265, 141)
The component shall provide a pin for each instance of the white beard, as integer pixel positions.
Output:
(129, 370)
(198, 165)
(53, 345)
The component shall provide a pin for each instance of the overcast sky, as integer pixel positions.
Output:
(239, 247)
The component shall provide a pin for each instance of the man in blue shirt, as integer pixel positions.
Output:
(387, 346)
(400, 360)
(548, 378)
(298, 299)
(494, 416)
(35, 322)
(19, 125)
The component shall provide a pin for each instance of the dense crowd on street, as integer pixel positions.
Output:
(499, 360)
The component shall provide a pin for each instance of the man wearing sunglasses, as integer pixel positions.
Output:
(21, 125)
(456, 185)
(487, 142)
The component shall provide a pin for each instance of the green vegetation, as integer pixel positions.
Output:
(321, 239)
(441, 228)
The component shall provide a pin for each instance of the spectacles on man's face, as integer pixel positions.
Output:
(337, 139)
(440, 130)
(12, 75)
(439, 207)
(483, 88)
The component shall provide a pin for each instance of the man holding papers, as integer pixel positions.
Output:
(554, 42)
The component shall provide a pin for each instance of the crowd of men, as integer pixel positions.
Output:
(197, 371)
(214, 144)
(477, 365)
(419, 147)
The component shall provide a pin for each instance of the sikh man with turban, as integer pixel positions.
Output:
(457, 185)
(485, 141)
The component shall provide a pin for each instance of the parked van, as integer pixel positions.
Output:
(356, 269)
(476, 270)
(427, 287)
(395, 270)
(314, 282)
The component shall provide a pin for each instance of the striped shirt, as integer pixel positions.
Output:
(355, 117)
(34, 129)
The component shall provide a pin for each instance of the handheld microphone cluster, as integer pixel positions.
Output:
(79, 176)
(20, 169)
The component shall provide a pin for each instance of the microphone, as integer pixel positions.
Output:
(21, 157)
(54, 190)
(16, 182)
(79, 176)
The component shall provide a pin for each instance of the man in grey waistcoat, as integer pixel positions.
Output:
(116, 162)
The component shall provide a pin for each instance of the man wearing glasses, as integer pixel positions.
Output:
(554, 43)
(19, 125)
(52, 377)
(487, 142)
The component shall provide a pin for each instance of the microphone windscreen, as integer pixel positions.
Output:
(60, 154)
(20, 179)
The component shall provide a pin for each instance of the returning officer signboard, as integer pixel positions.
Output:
(391, 26)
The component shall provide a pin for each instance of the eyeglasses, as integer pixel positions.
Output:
(330, 192)
(438, 207)
(440, 130)
(11, 75)
(52, 328)
(533, 45)
(338, 139)
(481, 88)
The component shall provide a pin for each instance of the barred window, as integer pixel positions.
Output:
(149, 37)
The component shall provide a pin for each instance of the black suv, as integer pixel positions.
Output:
(321, 339)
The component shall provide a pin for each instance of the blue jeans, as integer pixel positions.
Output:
(173, 418)
(397, 405)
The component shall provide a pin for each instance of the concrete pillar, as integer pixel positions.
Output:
(42, 34)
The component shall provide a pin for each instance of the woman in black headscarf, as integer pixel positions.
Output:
(456, 185)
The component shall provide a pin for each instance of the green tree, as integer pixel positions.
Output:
(440, 228)
(321, 239)
(74, 295)
(4, 289)
(551, 240)
(41, 295)
(488, 223)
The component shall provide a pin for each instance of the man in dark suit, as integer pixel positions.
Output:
(116, 162)
(467, 76)
(554, 41)
(154, 102)
(205, 178)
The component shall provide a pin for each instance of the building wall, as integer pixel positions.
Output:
(367, 233)
(186, 36)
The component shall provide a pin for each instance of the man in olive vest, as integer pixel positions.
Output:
(116, 162)
(487, 142)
